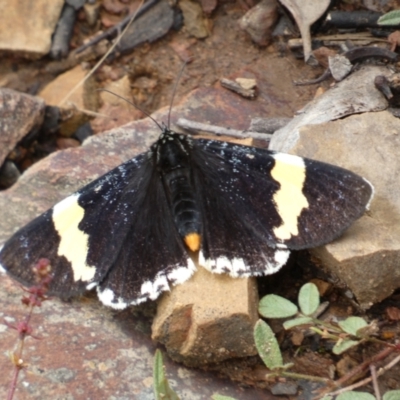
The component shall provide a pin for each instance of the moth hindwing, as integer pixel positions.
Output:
(131, 233)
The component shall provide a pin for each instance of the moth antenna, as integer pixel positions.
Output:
(132, 104)
(174, 91)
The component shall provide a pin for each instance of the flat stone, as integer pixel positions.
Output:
(356, 94)
(27, 26)
(208, 319)
(20, 114)
(367, 257)
(60, 174)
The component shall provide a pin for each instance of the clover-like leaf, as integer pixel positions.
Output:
(352, 325)
(308, 298)
(355, 396)
(273, 306)
(343, 345)
(267, 345)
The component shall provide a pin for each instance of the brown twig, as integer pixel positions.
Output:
(197, 127)
(359, 369)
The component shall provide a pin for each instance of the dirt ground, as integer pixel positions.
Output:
(226, 52)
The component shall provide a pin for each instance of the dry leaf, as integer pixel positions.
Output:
(305, 13)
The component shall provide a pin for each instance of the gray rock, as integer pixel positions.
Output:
(259, 21)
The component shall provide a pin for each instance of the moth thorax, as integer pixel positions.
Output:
(171, 155)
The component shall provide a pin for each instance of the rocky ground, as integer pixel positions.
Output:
(56, 138)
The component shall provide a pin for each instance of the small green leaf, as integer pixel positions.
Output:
(297, 321)
(308, 298)
(392, 395)
(267, 345)
(355, 396)
(217, 396)
(391, 18)
(162, 390)
(352, 325)
(273, 306)
(343, 345)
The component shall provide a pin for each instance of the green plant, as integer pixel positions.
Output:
(391, 18)
(162, 390)
(346, 334)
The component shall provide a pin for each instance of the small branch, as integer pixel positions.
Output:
(304, 376)
(195, 127)
(364, 381)
(374, 378)
(360, 368)
(249, 93)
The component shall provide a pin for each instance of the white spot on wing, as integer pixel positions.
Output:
(91, 285)
(237, 266)
(107, 297)
(73, 242)
(149, 289)
(152, 289)
(182, 274)
(372, 194)
(290, 172)
(281, 257)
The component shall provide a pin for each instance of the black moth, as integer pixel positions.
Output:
(132, 233)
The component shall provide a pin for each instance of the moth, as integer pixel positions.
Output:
(134, 232)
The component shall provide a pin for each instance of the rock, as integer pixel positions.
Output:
(92, 11)
(27, 27)
(203, 321)
(66, 143)
(340, 66)
(63, 172)
(284, 389)
(259, 21)
(72, 105)
(366, 258)
(20, 114)
(151, 26)
(9, 174)
(353, 95)
(324, 288)
(208, 6)
(193, 18)
(63, 33)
